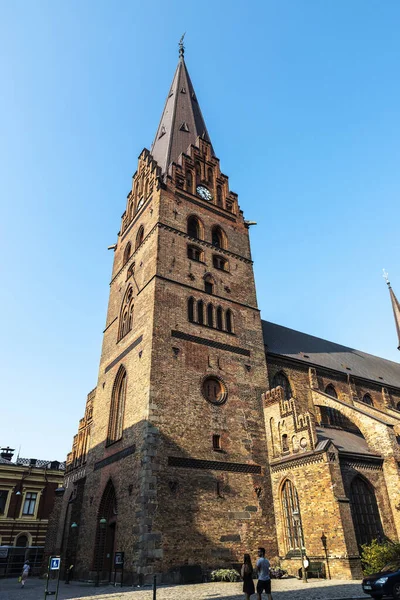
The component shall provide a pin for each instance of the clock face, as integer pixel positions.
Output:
(204, 193)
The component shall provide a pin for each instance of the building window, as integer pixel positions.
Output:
(200, 312)
(210, 315)
(189, 182)
(281, 380)
(398, 406)
(220, 263)
(117, 409)
(214, 390)
(3, 501)
(126, 314)
(216, 442)
(367, 399)
(191, 310)
(365, 512)
(208, 284)
(229, 321)
(194, 228)
(210, 176)
(330, 390)
(219, 318)
(218, 237)
(127, 252)
(219, 195)
(139, 237)
(29, 503)
(292, 517)
(22, 541)
(130, 271)
(194, 253)
(198, 172)
(285, 443)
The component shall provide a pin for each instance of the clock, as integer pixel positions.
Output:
(204, 193)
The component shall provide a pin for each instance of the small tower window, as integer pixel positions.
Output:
(210, 315)
(189, 181)
(193, 227)
(191, 310)
(367, 399)
(220, 263)
(208, 284)
(281, 380)
(216, 442)
(330, 390)
(285, 443)
(229, 326)
(210, 177)
(127, 252)
(198, 172)
(200, 312)
(219, 318)
(194, 253)
(139, 237)
(218, 237)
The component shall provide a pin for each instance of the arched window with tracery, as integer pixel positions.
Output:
(200, 312)
(126, 314)
(139, 237)
(292, 516)
(191, 310)
(210, 315)
(194, 228)
(219, 318)
(365, 512)
(127, 252)
(331, 391)
(117, 408)
(218, 237)
(367, 400)
(281, 380)
(219, 195)
(229, 321)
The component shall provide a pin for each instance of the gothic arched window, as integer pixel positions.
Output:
(200, 312)
(330, 390)
(210, 315)
(191, 310)
(281, 380)
(116, 420)
(365, 512)
(139, 237)
(127, 252)
(367, 399)
(219, 318)
(292, 516)
(229, 321)
(208, 284)
(126, 314)
(218, 237)
(193, 227)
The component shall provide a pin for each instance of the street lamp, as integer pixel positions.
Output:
(323, 540)
(297, 520)
(69, 568)
(102, 525)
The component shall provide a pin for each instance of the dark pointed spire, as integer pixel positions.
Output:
(395, 305)
(181, 122)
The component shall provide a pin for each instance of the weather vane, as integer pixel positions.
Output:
(386, 276)
(181, 46)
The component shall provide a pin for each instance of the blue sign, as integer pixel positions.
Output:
(55, 563)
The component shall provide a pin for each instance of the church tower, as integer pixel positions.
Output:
(170, 462)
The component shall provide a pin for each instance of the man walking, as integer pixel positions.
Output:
(264, 579)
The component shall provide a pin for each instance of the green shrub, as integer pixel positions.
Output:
(225, 575)
(376, 555)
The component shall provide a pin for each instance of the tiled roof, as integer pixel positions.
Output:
(39, 464)
(345, 441)
(316, 351)
(181, 122)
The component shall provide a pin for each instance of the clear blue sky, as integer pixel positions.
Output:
(301, 99)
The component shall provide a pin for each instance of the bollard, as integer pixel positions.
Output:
(155, 587)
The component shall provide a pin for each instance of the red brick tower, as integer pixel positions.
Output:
(173, 459)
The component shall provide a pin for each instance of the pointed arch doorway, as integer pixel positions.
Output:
(105, 533)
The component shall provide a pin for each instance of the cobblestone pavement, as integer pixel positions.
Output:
(283, 589)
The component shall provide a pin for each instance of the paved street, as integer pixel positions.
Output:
(282, 590)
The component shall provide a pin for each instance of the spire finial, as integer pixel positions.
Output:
(386, 277)
(181, 46)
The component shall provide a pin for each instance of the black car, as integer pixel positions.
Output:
(384, 584)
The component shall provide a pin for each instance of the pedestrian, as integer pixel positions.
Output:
(25, 572)
(247, 576)
(264, 579)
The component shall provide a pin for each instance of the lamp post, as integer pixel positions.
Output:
(297, 520)
(102, 525)
(68, 567)
(323, 540)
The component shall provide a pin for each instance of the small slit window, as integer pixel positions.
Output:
(229, 324)
(127, 252)
(219, 318)
(191, 310)
(200, 312)
(219, 195)
(139, 237)
(210, 315)
(216, 442)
